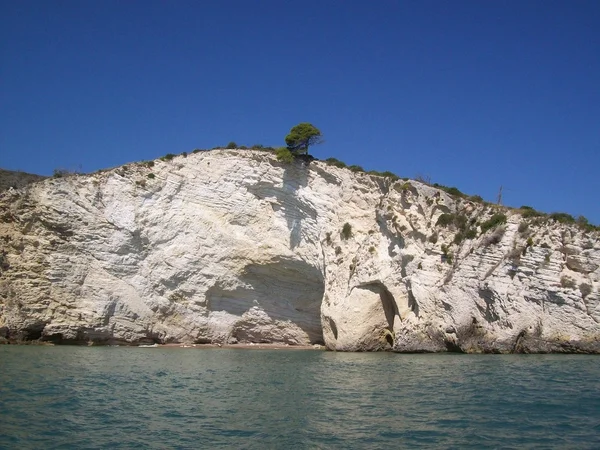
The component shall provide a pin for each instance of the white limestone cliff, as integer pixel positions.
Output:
(233, 246)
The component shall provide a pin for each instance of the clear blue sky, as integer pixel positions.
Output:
(473, 94)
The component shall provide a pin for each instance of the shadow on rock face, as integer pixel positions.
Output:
(288, 291)
(294, 209)
(364, 321)
(388, 303)
(295, 177)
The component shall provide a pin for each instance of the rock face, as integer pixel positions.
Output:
(233, 246)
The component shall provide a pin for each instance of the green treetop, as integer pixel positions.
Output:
(302, 136)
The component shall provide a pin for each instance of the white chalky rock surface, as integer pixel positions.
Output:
(233, 246)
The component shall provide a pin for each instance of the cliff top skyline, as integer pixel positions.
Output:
(470, 95)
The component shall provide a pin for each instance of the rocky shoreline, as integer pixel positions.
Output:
(524, 345)
(249, 346)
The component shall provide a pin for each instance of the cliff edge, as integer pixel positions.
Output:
(233, 246)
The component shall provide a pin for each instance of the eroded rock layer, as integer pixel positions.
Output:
(233, 246)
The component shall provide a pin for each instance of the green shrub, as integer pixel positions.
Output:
(476, 198)
(335, 162)
(529, 242)
(454, 191)
(387, 174)
(404, 187)
(445, 220)
(494, 221)
(446, 254)
(59, 173)
(449, 190)
(390, 175)
(457, 220)
(433, 238)
(243, 147)
(495, 237)
(338, 250)
(346, 231)
(284, 155)
(471, 233)
(371, 249)
(196, 150)
(460, 220)
(515, 255)
(562, 217)
(523, 227)
(151, 176)
(567, 282)
(528, 211)
(585, 224)
(231, 145)
(184, 154)
(167, 157)
(264, 148)
(585, 289)
(355, 168)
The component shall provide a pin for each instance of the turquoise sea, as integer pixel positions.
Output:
(175, 398)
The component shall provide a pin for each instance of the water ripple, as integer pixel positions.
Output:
(96, 398)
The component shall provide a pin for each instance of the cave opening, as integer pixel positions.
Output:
(390, 339)
(287, 291)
